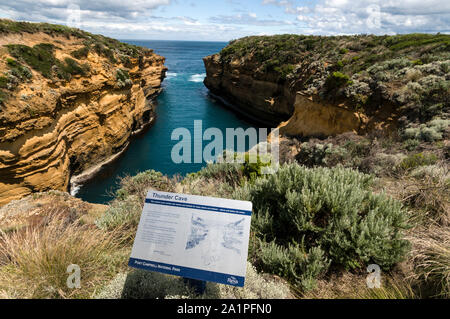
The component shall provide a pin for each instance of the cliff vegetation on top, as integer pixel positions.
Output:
(368, 72)
(41, 57)
(69, 101)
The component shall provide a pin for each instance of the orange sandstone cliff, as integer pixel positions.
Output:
(70, 101)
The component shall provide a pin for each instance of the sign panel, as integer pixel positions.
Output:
(195, 237)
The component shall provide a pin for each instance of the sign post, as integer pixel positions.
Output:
(195, 237)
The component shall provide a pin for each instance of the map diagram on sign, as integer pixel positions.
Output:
(229, 236)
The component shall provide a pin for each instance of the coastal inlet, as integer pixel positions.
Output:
(184, 99)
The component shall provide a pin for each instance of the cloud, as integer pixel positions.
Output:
(57, 9)
(288, 5)
(246, 19)
(380, 17)
(369, 16)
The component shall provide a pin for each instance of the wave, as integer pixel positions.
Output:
(197, 77)
(171, 75)
(74, 189)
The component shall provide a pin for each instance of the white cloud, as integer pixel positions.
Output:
(246, 19)
(369, 16)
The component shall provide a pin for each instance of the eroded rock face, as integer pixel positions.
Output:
(52, 130)
(314, 118)
(275, 102)
(261, 99)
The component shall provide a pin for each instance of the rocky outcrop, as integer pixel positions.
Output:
(316, 118)
(262, 100)
(52, 129)
(269, 101)
(347, 83)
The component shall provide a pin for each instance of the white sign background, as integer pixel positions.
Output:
(196, 237)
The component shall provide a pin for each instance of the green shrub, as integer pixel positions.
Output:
(337, 80)
(321, 155)
(284, 70)
(81, 53)
(253, 170)
(330, 209)
(105, 51)
(411, 144)
(3, 97)
(141, 284)
(300, 267)
(72, 67)
(123, 214)
(3, 82)
(417, 160)
(40, 57)
(140, 184)
(400, 42)
(123, 78)
(231, 173)
(429, 132)
(122, 75)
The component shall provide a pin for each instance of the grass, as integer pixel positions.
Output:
(431, 257)
(90, 40)
(40, 57)
(34, 261)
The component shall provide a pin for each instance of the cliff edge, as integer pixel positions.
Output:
(69, 101)
(321, 86)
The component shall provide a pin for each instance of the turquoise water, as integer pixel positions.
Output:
(183, 100)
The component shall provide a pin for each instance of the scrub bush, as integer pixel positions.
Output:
(81, 53)
(140, 184)
(417, 160)
(328, 210)
(40, 57)
(337, 80)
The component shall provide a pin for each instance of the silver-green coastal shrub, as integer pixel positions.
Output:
(331, 209)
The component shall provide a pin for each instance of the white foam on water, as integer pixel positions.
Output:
(171, 75)
(197, 77)
(74, 189)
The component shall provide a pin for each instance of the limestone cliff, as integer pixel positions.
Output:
(261, 99)
(323, 86)
(70, 101)
(315, 118)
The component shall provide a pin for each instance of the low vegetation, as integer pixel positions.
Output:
(309, 225)
(42, 58)
(409, 72)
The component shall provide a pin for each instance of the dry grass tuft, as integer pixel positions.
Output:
(428, 193)
(34, 260)
(431, 258)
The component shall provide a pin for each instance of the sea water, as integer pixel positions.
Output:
(183, 100)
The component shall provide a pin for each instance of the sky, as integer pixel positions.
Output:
(224, 20)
